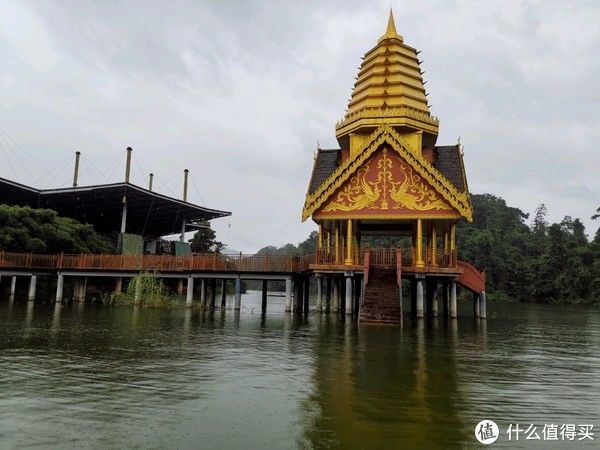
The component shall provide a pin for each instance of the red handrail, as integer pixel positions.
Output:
(367, 264)
(204, 262)
(399, 266)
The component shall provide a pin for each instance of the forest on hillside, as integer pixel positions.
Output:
(525, 258)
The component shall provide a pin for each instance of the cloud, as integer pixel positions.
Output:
(240, 92)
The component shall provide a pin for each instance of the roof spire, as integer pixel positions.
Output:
(390, 32)
(391, 28)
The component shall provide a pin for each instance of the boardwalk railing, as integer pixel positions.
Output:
(161, 263)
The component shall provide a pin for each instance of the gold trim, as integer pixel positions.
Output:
(408, 217)
(385, 134)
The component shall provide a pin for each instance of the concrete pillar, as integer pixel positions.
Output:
(203, 291)
(263, 306)
(190, 292)
(452, 306)
(180, 286)
(306, 295)
(59, 288)
(223, 293)
(238, 293)
(419, 299)
(445, 299)
(32, 286)
(431, 295)
(349, 295)
(475, 305)
(328, 294)
(335, 297)
(298, 294)
(119, 285)
(213, 292)
(319, 293)
(13, 287)
(482, 305)
(288, 294)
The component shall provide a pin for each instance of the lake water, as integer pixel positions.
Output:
(85, 376)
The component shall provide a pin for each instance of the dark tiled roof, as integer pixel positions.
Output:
(326, 162)
(450, 163)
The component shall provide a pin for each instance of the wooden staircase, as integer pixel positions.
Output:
(381, 299)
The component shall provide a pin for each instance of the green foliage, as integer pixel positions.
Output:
(205, 240)
(542, 263)
(151, 291)
(304, 248)
(24, 229)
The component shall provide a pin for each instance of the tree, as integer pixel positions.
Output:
(24, 229)
(205, 240)
(539, 219)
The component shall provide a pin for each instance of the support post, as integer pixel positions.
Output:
(446, 299)
(298, 294)
(32, 286)
(119, 285)
(180, 286)
(263, 306)
(419, 304)
(150, 181)
(203, 291)
(59, 288)
(431, 294)
(337, 241)
(223, 293)
(349, 243)
(238, 293)
(327, 294)
(213, 292)
(452, 306)
(349, 295)
(319, 293)
(190, 292)
(419, 244)
(434, 244)
(288, 295)
(335, 301)
(476, 305)
(306, 295)
(482, 306)
(13, 287)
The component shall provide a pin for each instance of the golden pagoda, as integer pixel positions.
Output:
(388, 177)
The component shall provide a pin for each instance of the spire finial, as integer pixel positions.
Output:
(391, 28)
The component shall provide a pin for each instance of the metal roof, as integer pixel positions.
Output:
(148, 213)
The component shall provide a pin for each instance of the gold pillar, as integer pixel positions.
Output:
(320, 239)
(419, 244)
(349, 245)
(328, 242)
(337, 241)
(434, 244)
(453, 257)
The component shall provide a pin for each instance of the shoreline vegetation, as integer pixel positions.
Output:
(525, 259)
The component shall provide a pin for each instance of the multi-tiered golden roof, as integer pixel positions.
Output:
(389, 90)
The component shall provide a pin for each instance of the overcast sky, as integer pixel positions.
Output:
(240, 93)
